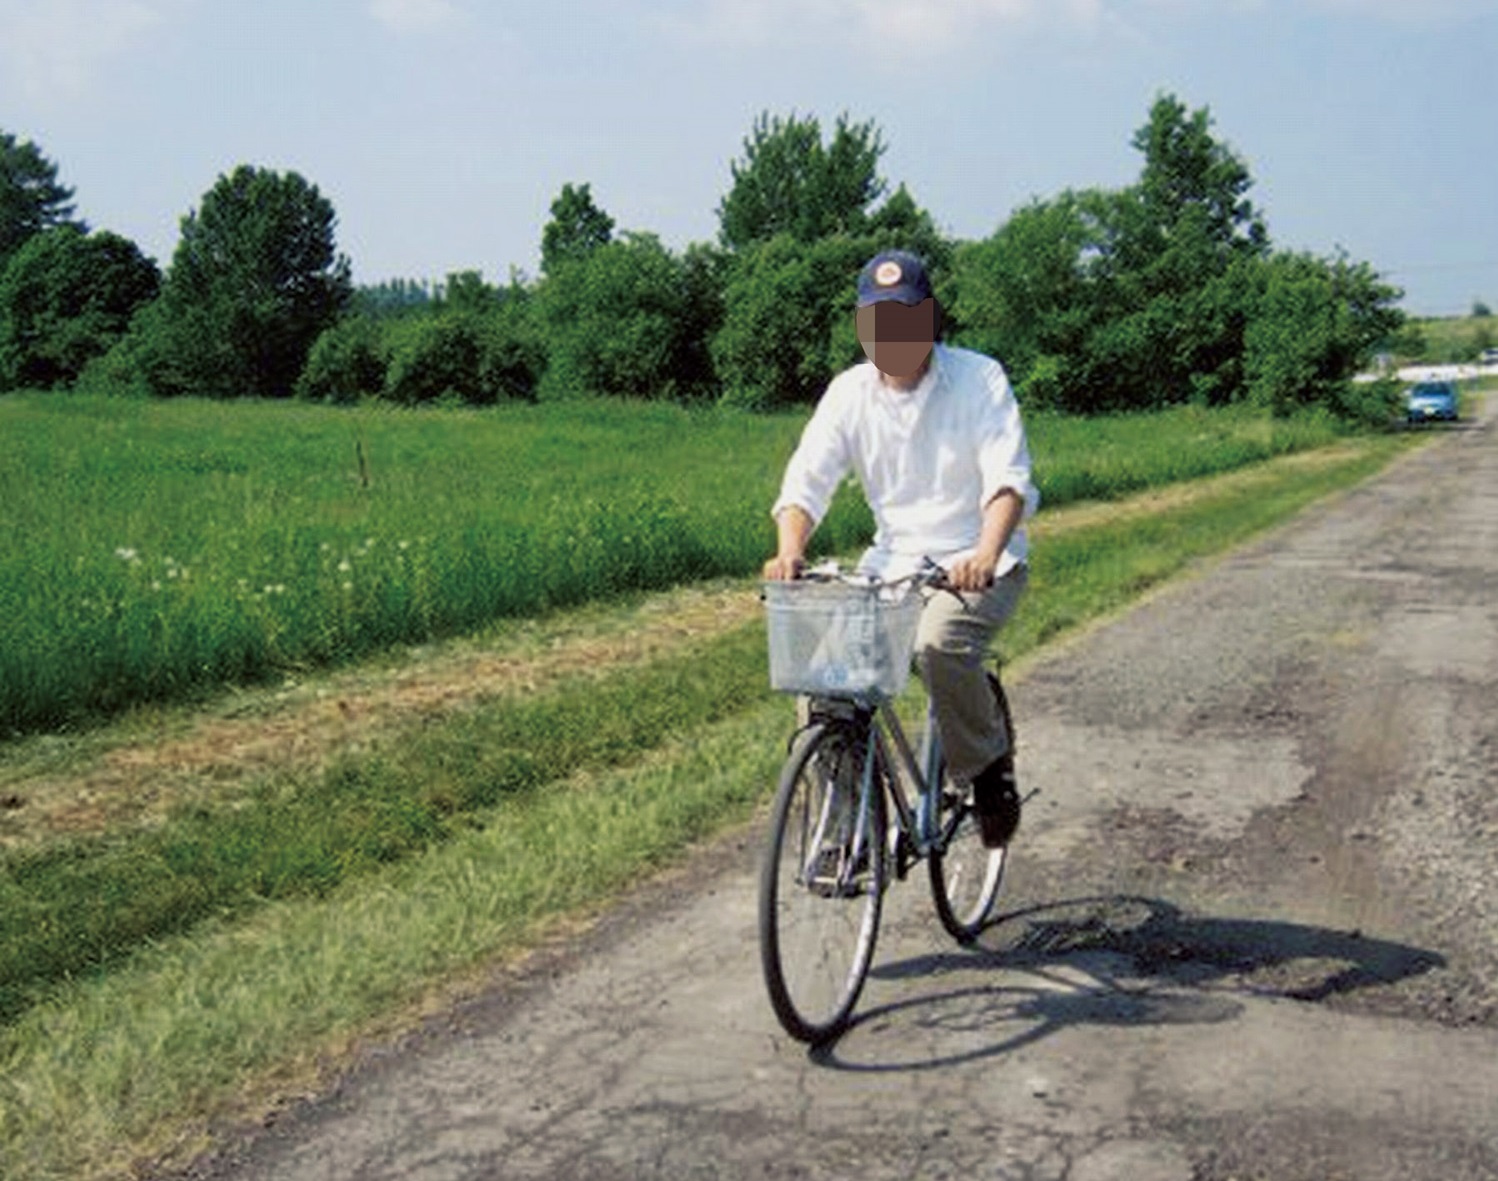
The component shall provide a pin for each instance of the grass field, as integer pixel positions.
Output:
(150, 551)
(1456, 338)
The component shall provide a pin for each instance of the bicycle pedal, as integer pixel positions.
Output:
(834, 872)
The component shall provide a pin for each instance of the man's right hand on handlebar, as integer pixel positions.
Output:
(793, 527)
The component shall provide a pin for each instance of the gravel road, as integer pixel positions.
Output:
(1250, 931)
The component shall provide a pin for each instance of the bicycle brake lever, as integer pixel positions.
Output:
(936, 576)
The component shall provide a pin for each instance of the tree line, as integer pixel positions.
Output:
(1167, 291)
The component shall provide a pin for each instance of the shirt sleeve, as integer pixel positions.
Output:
(821, 460)
(1004, 453)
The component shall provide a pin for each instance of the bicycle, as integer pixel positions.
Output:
(842, 820)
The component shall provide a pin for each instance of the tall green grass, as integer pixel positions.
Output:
(151, 550)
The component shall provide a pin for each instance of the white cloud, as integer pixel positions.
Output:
(414, 16)
(1413, 10)
(56, 47)
(933, 25)
(781, 20)
(943, 24)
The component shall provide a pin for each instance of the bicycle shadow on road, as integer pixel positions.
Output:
(1109, 960)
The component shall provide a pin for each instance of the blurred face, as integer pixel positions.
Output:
(897, 337)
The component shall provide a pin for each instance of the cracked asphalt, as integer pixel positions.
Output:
(1249, 930)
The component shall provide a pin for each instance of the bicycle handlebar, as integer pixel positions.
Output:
(929, 574)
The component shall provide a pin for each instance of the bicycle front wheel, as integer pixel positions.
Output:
(965, 874)
(822, 882)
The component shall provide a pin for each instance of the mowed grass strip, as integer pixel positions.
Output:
(78, 908)
(139, 1060)
(154, 551)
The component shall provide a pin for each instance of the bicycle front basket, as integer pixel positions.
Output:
(831, 639)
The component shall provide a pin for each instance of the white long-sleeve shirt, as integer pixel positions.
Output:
(929, 459)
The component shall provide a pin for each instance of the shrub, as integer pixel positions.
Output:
(347, 362)
(781, 308)
(617, 322)
(435, 357)
(1314, 323)
(513, 359)
(475, 358)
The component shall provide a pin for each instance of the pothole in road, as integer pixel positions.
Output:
(1251, 957)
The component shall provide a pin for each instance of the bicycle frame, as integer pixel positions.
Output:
(914, 830)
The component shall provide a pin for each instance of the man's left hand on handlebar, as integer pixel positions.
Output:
(972, 573)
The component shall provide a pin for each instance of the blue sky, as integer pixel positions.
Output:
(442, 129)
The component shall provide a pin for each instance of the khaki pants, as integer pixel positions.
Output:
(950, 646)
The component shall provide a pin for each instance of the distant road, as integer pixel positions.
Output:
(1446, 372)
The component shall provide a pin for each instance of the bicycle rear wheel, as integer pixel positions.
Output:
(822, 883)
(966, 875)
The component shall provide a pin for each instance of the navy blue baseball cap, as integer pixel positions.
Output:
(893, 274)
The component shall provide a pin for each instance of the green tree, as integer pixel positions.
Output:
(617, 322)
(65, 298)
(31, 199)
(795, 227)
(902, 224)
(576, 229)
(392, 297)
(705, 268)
(466, 291)
(1193, 197)
(788, 319)
(1315, 324)
(1166, 261)
(255, 279)
(1024, 296)
(1110, 300)
(790, 182)
(463, 355)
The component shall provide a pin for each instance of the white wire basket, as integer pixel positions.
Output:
(834, 639)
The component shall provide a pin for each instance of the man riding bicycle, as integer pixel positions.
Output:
(933, 434)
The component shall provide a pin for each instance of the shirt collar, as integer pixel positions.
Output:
(922, 388)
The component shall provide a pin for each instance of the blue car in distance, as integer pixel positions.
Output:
(1430, 401)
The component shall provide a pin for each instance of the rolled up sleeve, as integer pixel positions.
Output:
(1004, 453)
(821, 460)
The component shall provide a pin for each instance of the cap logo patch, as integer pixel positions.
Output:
(888, 273)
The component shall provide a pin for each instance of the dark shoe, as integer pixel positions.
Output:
(996, 802)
